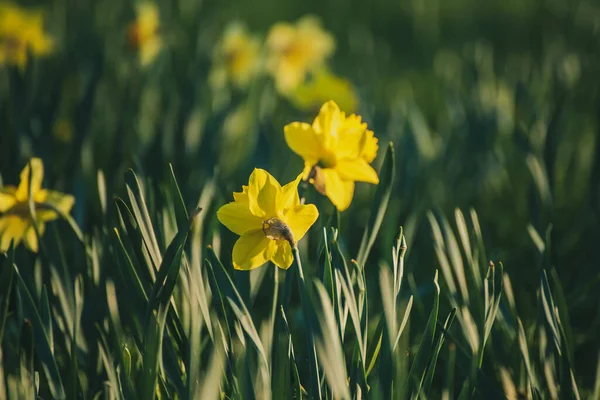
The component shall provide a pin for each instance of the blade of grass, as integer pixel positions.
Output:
(382, 198)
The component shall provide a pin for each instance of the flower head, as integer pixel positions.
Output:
(21, 32)
(322, 86)
(337, 151)
(236, 57)
(269, 219)
(295, 50)
(15, 217)
(144, 33)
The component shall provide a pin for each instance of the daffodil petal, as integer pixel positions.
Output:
(262, 193)
(7, 198)
(252, 250)
(339, 191)
(238, 218)
(62, 202)
(328, 123)
(300, 219)
(301, 139)
(241, 197)
(283, 256)
(289, 194)
(30, 237)
(12, 227)
(357, 170)
(37, 176)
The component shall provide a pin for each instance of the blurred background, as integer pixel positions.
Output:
(489, 105)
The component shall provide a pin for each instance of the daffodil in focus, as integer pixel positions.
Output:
(144, 33)
(15, 218)
(21, 32)
(322, 86)
(296, 49)
(337, 152)
(236, 57)
(269, 219)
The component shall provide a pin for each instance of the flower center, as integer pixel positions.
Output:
(317, 179)
(11, 44)
(276, 229)
(328, 159)
(21, 209)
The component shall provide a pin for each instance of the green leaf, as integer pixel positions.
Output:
(180, 209)
(160, 300)
(6, 286)
(42, 341)
(418, 369)
(381, 200)
(329, 347)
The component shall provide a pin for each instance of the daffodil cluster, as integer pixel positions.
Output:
(18, 222)
(337, 150)
(294, 55)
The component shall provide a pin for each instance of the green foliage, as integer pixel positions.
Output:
(488, 150)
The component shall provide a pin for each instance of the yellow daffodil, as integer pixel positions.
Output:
(337, 151)
(295, 50)
(322, 86)
(236, 57)
(144, 33)
(21, 32)
(269, 219)
(15, 218)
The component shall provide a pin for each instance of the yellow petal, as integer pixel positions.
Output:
(238, 218)
(11, 227)
(288, 75)
(356, 170)
(301, 139)
(351, 137)
(62, 202)
(283, 256)
(370, 147)
(262, 193)
(328, 123)
(7, 198)
(149, 50)
(37, 176)
(30, 237)
(289, 195)
(241, 197)
(252, 250)
(339, 191)
(300, 219)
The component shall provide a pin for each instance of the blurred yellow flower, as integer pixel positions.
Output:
(337, 151)
(21, 31)
(236, 57)
(324, 86)
(270, 220)
(15, 218)
(295, 50)
(144, 33)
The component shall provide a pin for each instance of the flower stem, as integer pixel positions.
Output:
(315, 387)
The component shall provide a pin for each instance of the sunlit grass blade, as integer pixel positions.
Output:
(42, 343)
(329, 347)
(380, 201)
(160, 301)
(6, 288)
(441, 337)
(418, 369)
